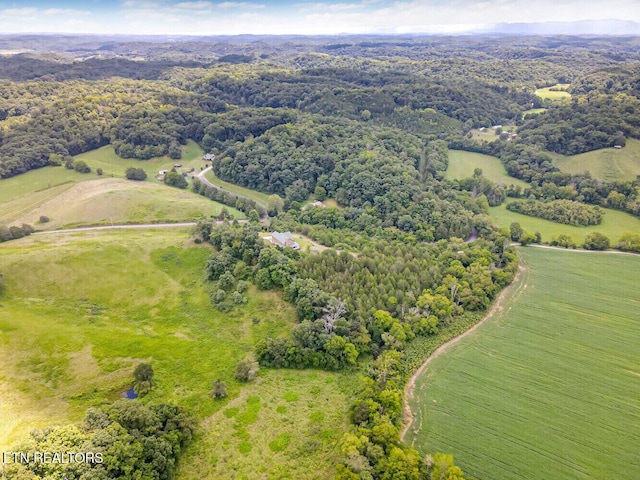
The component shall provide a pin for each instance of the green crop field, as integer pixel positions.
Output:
(462, 164)
(614, 224)
(80, 310)
(608, 164)
(547, 93)
(259, 197)
(549, 386)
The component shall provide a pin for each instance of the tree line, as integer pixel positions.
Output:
(14, 232)
(568, 212)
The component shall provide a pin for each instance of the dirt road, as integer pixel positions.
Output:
(517, 287)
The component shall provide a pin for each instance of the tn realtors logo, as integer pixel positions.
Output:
(51, 457)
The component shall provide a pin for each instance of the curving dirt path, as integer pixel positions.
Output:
(517, 287)
(202, 178)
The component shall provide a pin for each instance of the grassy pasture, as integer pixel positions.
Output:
(111, 200)
(550, 384)
(286, 425)
(487, 135)
(113, 165)
(548, 94)
(462, 164)
(80, 310)
(103, 301)
(259, 197)
(533, 111)
(12, 210)
(608, 164)
(39, 182)
(614, 224)
(43, 179)
(23, 194)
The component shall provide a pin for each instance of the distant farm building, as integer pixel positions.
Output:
(162, 172)
(284, 240)
(209, 157)
(318, 203)
(617, 146)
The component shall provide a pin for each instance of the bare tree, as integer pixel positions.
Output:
(334, 310)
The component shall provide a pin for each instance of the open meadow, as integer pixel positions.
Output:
(117, 201)
(42, 180)
(462, 165)
(533, 111)
(69, 198)
(557, 92)
(609, 164)
(80, 310)
(113, 165)
(614, 224)
(549, 386)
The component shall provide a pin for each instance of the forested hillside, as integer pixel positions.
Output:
(428, 87)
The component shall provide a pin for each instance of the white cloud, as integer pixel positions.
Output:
(194, 5)
(331, 7)
(208, 17)
(66, 11)
(240, 5)
(141, 4)
(19, 12)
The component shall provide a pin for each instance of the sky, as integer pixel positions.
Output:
(309, 17)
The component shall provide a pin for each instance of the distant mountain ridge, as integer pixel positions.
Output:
(584, 27)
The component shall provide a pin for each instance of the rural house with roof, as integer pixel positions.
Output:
(284, 240)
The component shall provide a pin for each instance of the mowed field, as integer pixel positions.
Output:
(69, 198)
(116, 201)
(614, 224)
(462, 164)
(548, 387)
(44, 179)
(608, 164)
(81, 310)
